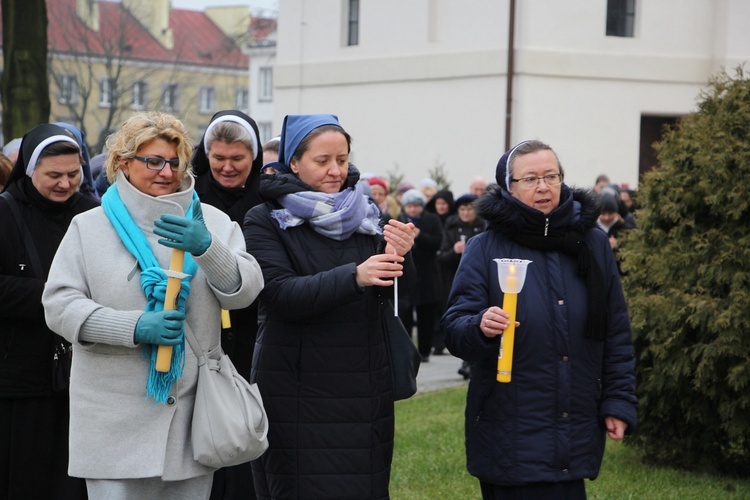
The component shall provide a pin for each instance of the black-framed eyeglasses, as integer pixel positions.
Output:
(532, 182)
(156, 163)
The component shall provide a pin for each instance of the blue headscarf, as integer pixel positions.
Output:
(293, 131)
(87, 184)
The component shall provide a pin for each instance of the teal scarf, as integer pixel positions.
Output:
(154, 284)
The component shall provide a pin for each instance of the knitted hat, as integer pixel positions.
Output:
(609, 203)
(12, 146)
(413, 197)
(378, 181)
(502, 175)
(465, 199)
(427, 182)
(404, 187)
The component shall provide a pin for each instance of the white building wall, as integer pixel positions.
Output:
(427, 82)
(262, 111)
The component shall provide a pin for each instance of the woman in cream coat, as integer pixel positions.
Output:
(129, 435)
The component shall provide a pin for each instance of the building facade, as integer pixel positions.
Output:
(110, 59)
(424, 83)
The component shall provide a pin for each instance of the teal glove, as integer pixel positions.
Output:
(160, 328)
(182, 233)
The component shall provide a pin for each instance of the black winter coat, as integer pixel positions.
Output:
(26, 344)
(320, 360)
(453, 230)
(424, 254)
(547, 424)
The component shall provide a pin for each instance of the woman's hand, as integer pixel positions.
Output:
(615, 428)
(494, 322)
(182, 233)
(379, 270)
(399, 237)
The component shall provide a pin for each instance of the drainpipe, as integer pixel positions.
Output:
(510, 71)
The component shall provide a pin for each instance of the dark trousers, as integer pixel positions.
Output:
(34, 450)
(426, 317)
(568, 490)
(233, 483)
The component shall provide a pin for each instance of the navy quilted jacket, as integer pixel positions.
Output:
(547, 424)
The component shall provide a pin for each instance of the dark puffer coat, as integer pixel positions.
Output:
(547, 424)
(320, 360)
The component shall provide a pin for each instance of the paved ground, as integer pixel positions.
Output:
(440, 372)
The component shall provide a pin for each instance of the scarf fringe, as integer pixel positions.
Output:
(159, 384)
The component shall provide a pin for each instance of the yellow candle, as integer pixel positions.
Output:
(164, 354)
(505, 356)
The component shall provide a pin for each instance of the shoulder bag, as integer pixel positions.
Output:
(402, 353)
(229, 421)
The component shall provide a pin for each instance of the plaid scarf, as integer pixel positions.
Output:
(336, 216)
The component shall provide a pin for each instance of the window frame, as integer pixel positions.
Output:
(169, 94)
(352, 33)
(621, 18)
(265, 84)
(107, 88)
(139, 95)
(207, 99)
(68, 89)
(242, 99)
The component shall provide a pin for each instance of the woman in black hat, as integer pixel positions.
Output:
(573, 380)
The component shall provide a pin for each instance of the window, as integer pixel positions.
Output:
(139, 96)
(620, 18)
(107, 88)
(265, 130)
(207, 100)
(68, 90)
(242, 99)
(353, 38)
(265, 85)
(169, 97)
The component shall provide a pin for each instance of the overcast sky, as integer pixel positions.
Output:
(202, 4)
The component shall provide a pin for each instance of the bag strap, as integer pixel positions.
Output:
(36, 264)
(195, 346)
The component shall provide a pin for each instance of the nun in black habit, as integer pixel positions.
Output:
(226, 164)
(39, 201)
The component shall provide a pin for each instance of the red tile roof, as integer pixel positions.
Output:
(197, 40)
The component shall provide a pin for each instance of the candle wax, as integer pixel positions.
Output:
(505, 356)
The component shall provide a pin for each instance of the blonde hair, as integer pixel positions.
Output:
(140, 129)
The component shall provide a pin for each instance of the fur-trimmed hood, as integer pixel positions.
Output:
(578, 210)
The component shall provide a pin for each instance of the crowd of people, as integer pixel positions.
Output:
(301, 249)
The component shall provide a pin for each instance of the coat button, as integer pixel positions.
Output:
(230, 336)
(170, 401)
(560, 302)
(565, 358)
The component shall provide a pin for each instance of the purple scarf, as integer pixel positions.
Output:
(336, 216)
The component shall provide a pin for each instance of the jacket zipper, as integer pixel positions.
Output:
(546, 226)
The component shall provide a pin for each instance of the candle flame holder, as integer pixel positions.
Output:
(511, 274)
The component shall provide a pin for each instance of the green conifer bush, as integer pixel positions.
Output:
(688, 287)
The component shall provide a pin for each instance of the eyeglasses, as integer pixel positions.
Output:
(156, 163)
(532, 182)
